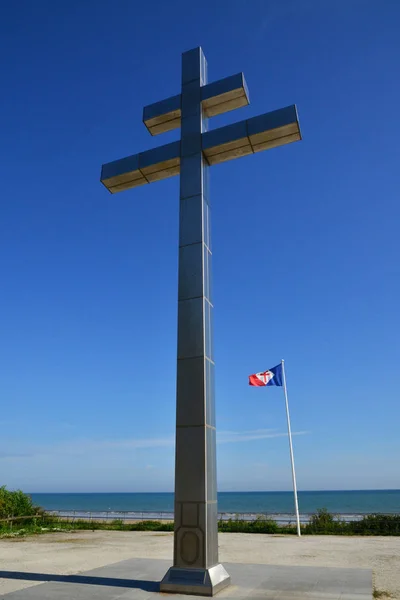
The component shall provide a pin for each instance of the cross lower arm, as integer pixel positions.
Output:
(266, 131)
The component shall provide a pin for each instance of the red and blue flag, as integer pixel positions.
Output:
(271, 377)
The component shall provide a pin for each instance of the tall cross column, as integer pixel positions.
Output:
(196, 569)
(196, 565)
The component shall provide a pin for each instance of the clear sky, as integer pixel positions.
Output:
(305, 238)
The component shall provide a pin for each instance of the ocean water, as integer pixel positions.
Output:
(279, 503)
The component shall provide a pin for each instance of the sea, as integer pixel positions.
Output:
(348, 505)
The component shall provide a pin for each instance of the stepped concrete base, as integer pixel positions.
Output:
(199, 582)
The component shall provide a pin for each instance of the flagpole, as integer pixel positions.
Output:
(296, 504)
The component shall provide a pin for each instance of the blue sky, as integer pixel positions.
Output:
(305, 239)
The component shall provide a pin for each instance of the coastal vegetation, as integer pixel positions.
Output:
(19, 516)
(16, 505)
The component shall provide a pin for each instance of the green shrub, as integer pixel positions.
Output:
(324, 522)
(264, 525)
(116, 524)
(376, 525)
(147, 526)
(13, 506)
(16, 504)
(259, 525)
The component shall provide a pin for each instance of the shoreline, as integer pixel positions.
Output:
(278, 505)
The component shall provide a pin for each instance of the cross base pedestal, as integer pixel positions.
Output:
(199, 582)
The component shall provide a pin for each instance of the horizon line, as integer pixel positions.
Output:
(240, 491)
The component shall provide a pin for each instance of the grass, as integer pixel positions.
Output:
(322, 523)
(49, 524)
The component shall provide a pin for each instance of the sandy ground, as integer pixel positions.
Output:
(76, 552)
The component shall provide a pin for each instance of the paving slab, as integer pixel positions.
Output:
(139, 578)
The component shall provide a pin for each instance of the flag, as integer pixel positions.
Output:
(271, 377)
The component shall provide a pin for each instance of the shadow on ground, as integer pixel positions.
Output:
(147, 586)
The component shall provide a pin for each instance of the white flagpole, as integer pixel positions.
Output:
(296, 504)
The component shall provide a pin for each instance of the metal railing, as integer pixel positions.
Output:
(147, 515)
